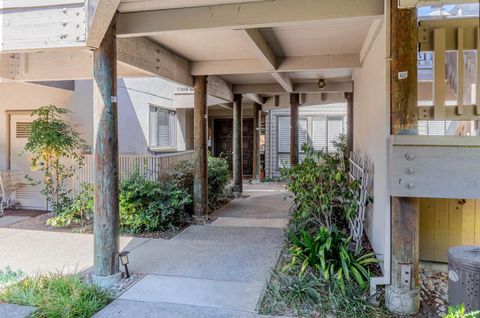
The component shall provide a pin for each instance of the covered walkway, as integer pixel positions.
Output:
(212, 270)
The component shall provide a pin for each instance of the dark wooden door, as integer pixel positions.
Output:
(223, 136)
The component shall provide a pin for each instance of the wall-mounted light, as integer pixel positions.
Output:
(321, 83)
(124, 261)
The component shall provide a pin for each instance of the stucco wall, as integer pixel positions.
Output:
(135, 95)
(23, 96)
(371, 131)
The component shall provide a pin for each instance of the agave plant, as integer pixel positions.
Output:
(327, 252)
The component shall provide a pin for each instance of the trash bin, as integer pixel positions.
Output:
(464, 276)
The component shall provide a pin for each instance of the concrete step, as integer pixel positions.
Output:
(127, 308)
(196, 292)
(15, 311)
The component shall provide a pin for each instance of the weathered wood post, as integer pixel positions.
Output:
(349, 100)
(237, 145)
(403, 294)
(294, 101)
(105, 161)
(256, 141)
(200, 119)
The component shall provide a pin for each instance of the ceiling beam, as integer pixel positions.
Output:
(284, 81)
(266, 57)
(308, 99)
(99, 16)
(261, 48)
(244, 15)
(255, 98)
(287, 64)
(146, 5)
(276, 89)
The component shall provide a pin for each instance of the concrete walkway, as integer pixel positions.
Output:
(215, 270)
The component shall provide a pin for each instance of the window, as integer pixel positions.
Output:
(162, 128)
(319, 132)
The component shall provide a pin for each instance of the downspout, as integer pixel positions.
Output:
(387, 255)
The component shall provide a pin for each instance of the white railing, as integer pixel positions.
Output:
(152, 167)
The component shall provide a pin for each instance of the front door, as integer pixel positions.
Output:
(223, 138)
(28, 196)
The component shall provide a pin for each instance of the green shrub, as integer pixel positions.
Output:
(459, 312)
(323, 196)
(78, 211)
(218, 178)
(57, 296)
(328, 253)
(148, 205)
(310, 296)
(9, 276)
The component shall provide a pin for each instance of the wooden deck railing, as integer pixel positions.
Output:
(152, 167)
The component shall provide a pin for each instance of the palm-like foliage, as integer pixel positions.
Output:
(327, 252)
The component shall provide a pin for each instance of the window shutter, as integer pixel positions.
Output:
(153, 127)
(335, 129)
(284, 134)
(436, 128)
(319, 133)
(302, 134)
(422, 127)
(23, 129)
(163, 120)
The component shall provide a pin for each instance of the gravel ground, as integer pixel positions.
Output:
(434, 292)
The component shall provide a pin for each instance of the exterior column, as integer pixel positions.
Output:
(294, 101)
(256, 141)
(349, 99)
(237, 146)
(105, 161)
(200, 119)
(403, 294)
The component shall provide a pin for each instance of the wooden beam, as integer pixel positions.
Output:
(331, 87)
(99, 15)
(308, 99)
(261, 48)
(147, 5)
(439, 84)
(244, 15)
(254, 98)
(105, 162)
(403, 294)
(460, 66)
(294, 101)
(31, 27)
(219, 88)
(153, 58)
(468, 113)
(284, 81)
(237, 146)
(287, 64)
(200, 120)
(427, 28)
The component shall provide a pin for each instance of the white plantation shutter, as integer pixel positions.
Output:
(335, 129)
(284, 134)
(162, 127)
(302, 135)
(436, 128)
(319, 133)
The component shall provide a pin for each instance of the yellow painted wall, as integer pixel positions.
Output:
(445, 223)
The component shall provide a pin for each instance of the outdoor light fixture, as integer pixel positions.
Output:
(321, 83)
(124, 261)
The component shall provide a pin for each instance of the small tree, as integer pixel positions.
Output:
(57, 150)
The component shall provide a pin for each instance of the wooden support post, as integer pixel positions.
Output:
(256, 140)
(349, 99)
(200, 119)
(294, 101)
(403, 294)
(237, 146)
(105, 161)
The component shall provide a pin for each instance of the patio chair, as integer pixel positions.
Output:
(10, 181)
